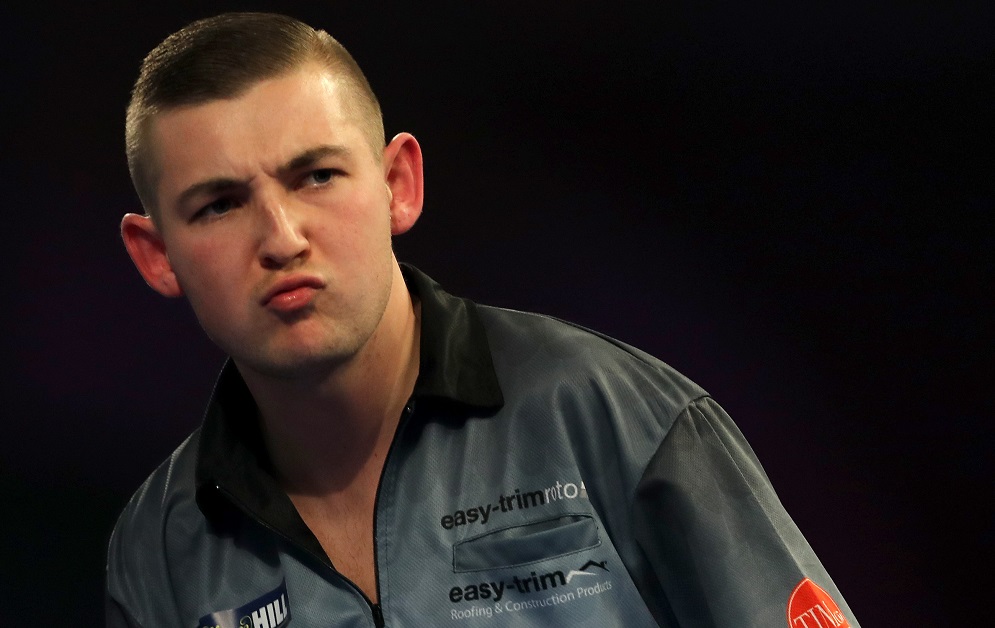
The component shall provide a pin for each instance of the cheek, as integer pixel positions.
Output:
(363, 229)
(205, 266)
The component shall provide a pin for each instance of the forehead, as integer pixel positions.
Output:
(273, 121)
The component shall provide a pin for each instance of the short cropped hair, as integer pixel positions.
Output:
(222, 57)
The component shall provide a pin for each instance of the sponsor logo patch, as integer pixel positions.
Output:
(532, 592)
(531, 583)
(270, 610)
(508, 502)
(811, 607)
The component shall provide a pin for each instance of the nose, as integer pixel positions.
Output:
(282, 237)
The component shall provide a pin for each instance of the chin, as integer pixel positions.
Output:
(297, 365)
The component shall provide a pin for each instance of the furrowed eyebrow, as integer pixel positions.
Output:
(225, 184)
(313, 155)
(211, 186)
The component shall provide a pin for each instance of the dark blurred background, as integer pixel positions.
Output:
(789, 202)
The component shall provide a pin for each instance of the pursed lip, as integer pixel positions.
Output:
(289, 284)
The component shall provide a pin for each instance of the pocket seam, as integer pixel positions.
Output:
(584, 515)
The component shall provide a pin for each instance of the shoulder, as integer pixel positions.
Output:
(172, 483)
(533, 350)
(162, 511)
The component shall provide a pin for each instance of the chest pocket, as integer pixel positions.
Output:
(519, 545)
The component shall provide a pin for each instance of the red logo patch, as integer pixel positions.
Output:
(811, 607)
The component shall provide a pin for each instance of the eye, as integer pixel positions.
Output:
(321, 176)
(217, 207)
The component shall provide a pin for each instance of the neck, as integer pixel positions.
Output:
(324, 436)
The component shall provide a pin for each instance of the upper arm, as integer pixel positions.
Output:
(721, 544)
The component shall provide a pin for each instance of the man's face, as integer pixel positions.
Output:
(275, 218)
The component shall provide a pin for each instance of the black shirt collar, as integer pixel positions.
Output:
(455, 358)
(455, 369)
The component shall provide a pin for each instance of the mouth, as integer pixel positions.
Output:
(292, 293)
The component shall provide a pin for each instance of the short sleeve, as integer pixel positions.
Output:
(725, 552)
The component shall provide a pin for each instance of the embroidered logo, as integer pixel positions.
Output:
(535, 584)
(583, 570)
(270, 610)
(811, 607)
(529, 593)
(508, 502)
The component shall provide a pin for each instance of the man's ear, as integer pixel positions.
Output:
(148, 252)
(405, 185)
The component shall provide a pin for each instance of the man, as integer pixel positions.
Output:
(376, 451)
